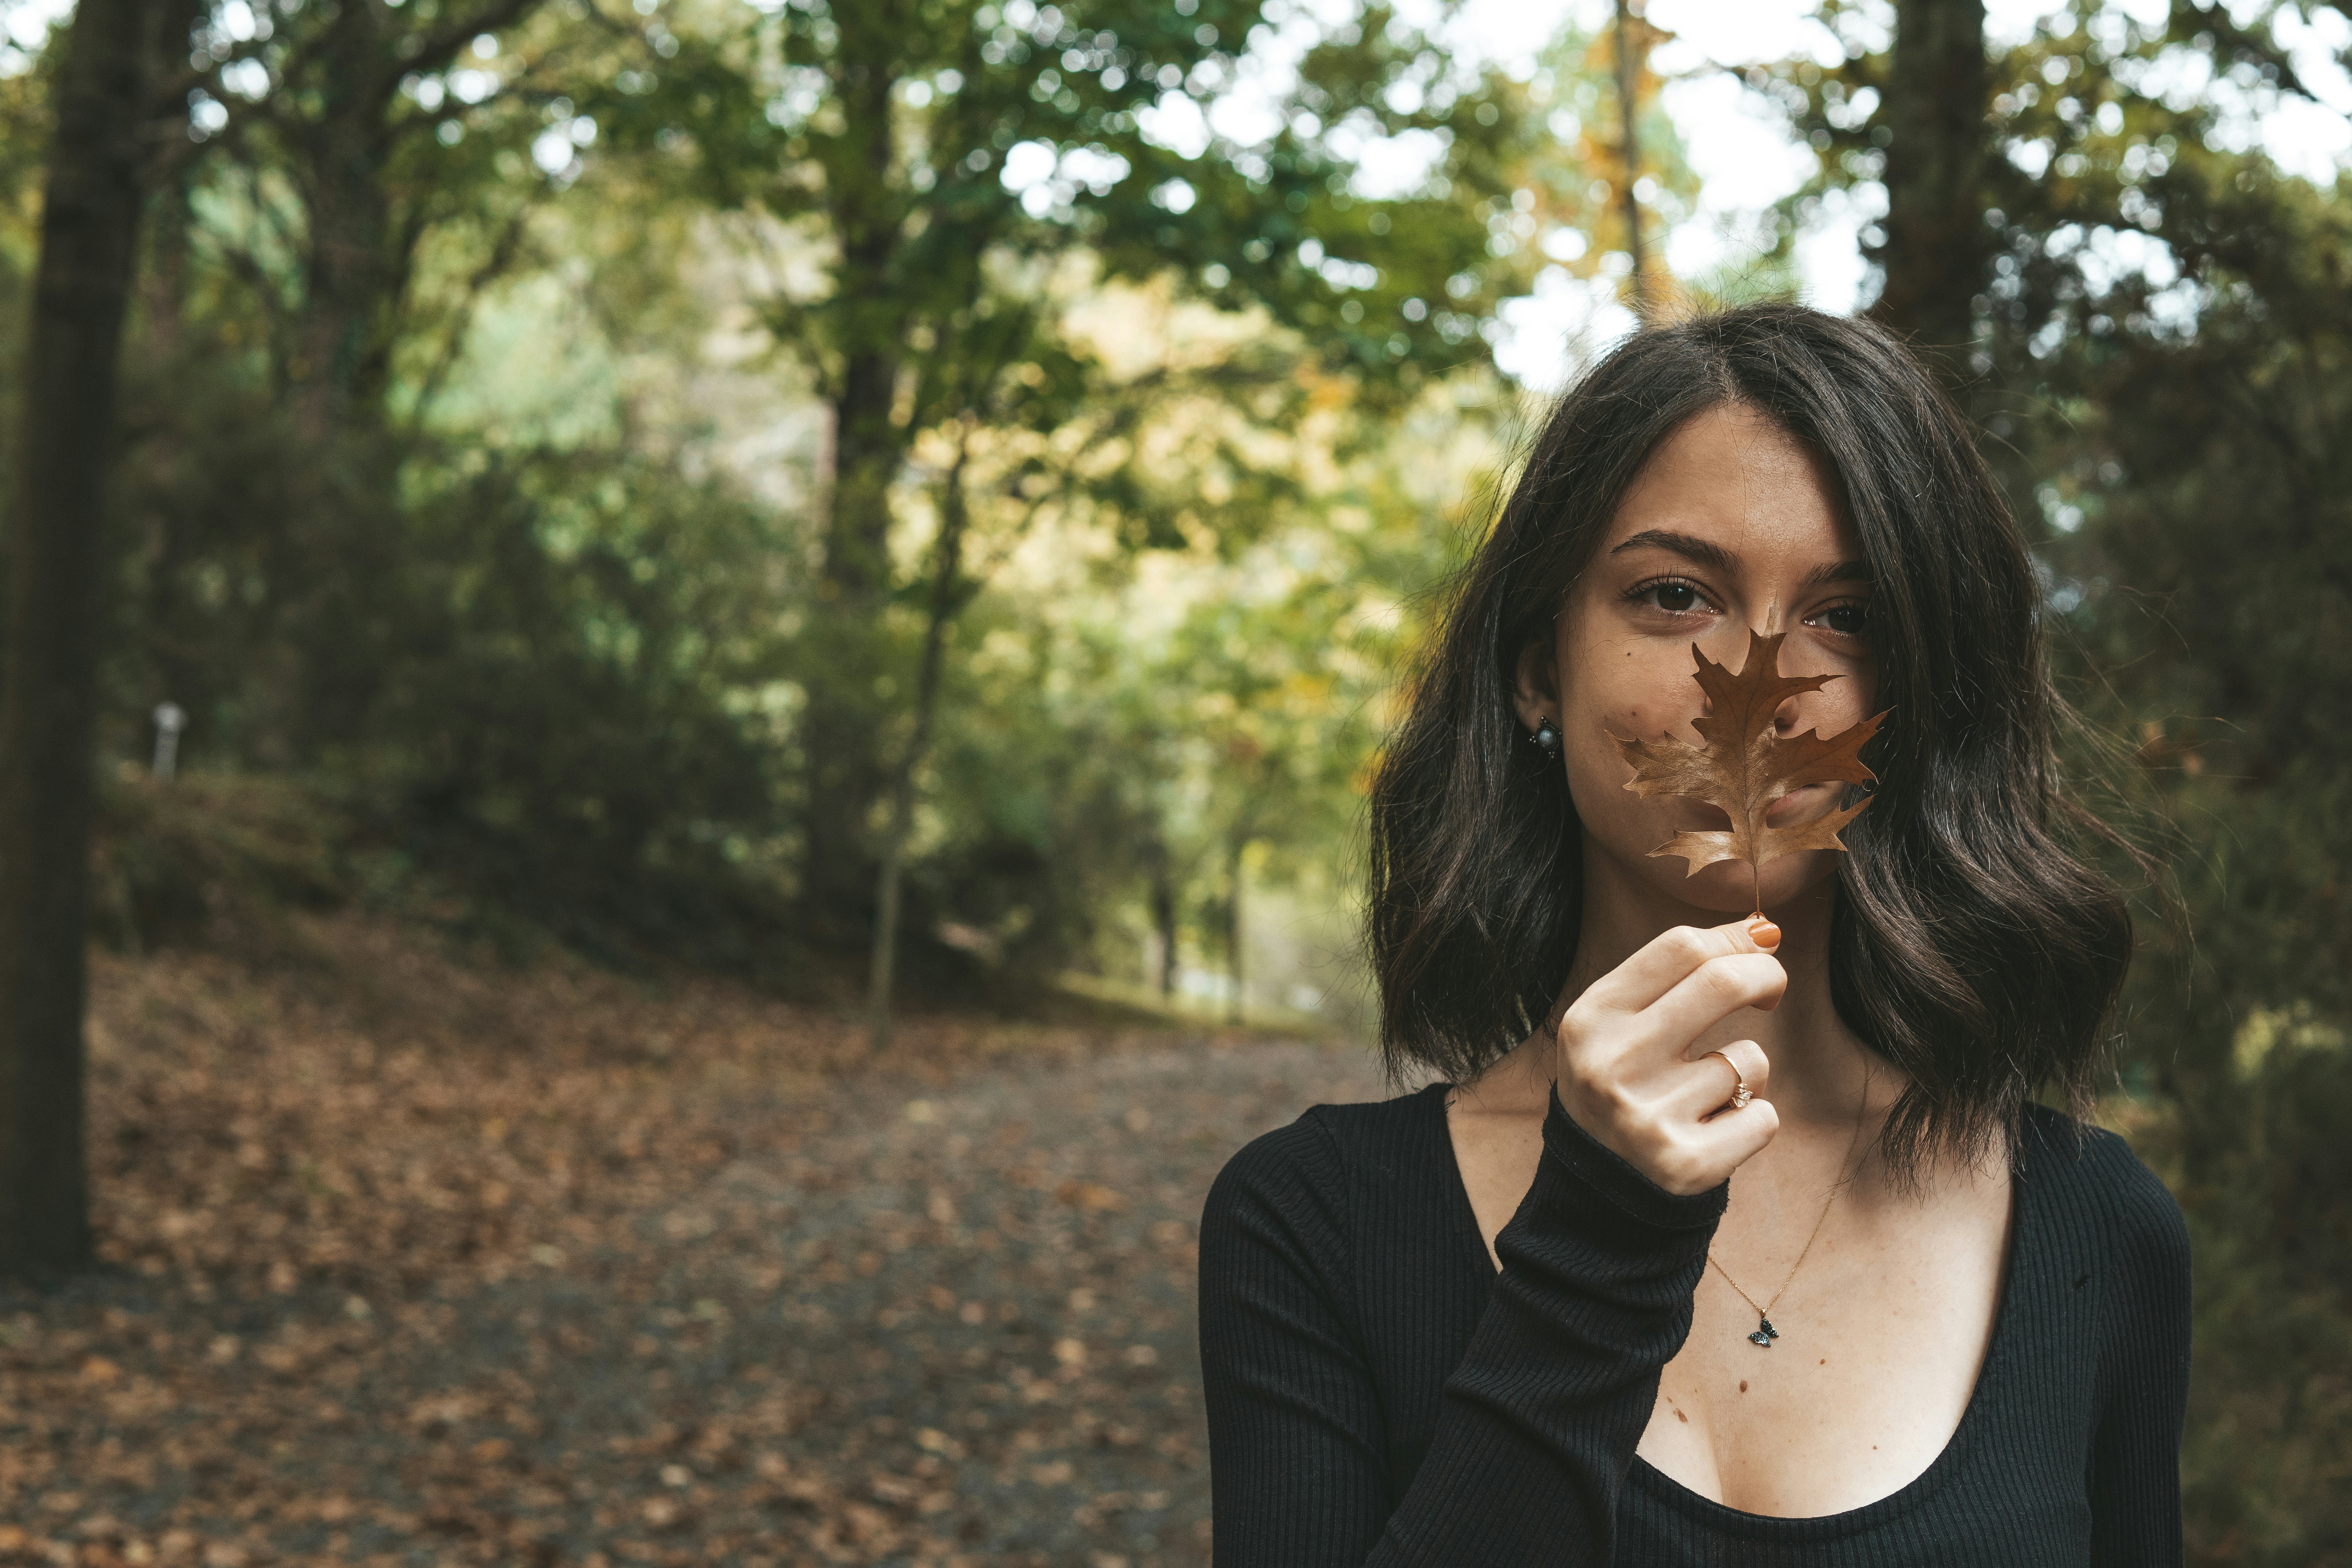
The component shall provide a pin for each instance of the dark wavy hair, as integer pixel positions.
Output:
(1971, 947)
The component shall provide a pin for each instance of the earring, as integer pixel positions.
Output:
(1546, 738)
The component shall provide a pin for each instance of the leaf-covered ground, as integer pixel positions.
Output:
(413, 1263)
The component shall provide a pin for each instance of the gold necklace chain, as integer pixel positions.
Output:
(1765, 1332)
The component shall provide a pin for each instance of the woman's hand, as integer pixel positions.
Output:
(1625, 1073)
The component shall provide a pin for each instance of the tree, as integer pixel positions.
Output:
(1240, 699)
(1044, 408)
(1913, 118)
(357, 177)
(947, 588)
(353, 130)
(921, 150)
(57, 573)
(1629, 122)
(1936, 246)
(328, 147)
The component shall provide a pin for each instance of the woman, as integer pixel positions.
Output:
(1529, 1315)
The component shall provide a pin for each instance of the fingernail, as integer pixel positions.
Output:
(1763, 933)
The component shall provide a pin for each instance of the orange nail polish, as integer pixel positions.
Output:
(1763, 933)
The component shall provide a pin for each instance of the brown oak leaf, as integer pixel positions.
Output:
(1743, 767)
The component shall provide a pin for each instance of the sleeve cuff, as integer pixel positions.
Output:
(1605, 1172)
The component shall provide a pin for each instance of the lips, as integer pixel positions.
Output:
(1801, 805)
(1797, 806)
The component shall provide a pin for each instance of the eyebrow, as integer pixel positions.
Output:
(1838, 571)
(1707, 552)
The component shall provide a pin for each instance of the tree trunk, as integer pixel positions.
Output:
(346, 528)
(1629, 109)
(1233, 933)
(843, 767)
(351, 272)
(945, 594)
(1163, 919)
(47, 705)
(1937, 244)
(337, 374)
(343, 538)
(845, 771)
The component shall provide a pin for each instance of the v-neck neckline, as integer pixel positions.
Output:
(1810, 1526)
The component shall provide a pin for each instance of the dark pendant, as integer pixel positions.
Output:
(1765, 1334)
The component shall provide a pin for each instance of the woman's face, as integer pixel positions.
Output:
(1732, 524)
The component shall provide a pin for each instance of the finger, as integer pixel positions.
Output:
(1666, 961)
(1701, 1155)
(1729, 1141)
(1706, 1086)
(1710, 994)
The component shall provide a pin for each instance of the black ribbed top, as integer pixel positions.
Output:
(1378, 1394)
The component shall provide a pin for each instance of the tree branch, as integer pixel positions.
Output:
(502, 256)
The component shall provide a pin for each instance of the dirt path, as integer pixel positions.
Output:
(998, 1317)
(604, 1313)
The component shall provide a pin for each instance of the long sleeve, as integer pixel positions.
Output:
(1295, 1468)
(1541, 1418)
(2135, 1480)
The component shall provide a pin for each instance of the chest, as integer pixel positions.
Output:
(1881, 1336)
(1883, 1315)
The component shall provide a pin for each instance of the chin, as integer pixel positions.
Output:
(1727, 888)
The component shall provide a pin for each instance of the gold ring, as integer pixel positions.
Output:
(1740, 1093)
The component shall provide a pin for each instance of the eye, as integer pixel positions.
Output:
(1672, 594)
(1849, 619)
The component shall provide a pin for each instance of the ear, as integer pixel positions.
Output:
(1536, 694)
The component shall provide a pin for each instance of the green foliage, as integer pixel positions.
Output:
(415, 507)
(329, 144)
(580, 672)
(889, 127)
(936, 179)
(1222, 698)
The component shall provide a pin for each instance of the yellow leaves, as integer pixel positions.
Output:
(1326, 393)
(1745, 765)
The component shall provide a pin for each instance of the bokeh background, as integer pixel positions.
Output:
(741, 644)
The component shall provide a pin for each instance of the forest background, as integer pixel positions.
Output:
(683, 481)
